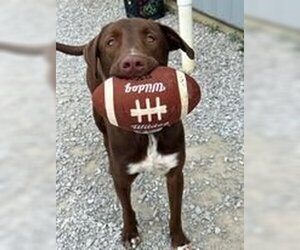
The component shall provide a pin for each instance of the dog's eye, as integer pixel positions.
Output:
(110, 42)
(150, 38)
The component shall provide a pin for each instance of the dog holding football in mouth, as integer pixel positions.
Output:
(132, 49)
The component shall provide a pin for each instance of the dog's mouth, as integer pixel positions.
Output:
(138, 75)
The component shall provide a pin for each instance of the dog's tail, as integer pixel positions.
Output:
(70, 49)
(23, 49)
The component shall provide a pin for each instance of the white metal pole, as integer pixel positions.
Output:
(186, 31)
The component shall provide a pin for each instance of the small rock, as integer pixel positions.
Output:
(198, 210)
(217, 230)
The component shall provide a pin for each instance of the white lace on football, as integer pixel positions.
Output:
(148, 111)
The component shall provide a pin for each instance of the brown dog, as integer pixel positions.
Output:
(134, 47)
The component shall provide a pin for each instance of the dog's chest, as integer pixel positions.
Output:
(154, 161)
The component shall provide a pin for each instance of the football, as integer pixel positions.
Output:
(149, 103)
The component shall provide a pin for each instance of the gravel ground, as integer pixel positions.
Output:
(88, 213)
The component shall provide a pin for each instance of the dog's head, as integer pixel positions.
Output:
(130, 48)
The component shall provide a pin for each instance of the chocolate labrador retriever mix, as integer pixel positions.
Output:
(131, 48)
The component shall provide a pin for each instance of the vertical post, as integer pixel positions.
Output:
(186, 31)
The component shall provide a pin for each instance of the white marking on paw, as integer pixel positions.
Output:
(185, 247)
(134, 242)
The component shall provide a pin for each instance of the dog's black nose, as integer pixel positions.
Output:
(133, 65)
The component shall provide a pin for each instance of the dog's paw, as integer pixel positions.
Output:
(185, 247)
(132, 243)
(180, 242)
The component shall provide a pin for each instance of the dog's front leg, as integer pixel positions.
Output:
(175, 189)
(130, 236)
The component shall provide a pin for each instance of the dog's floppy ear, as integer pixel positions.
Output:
(94, 69)
(176, 42)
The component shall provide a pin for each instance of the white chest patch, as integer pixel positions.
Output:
(154, 161)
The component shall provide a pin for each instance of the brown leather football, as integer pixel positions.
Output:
(149, 103)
